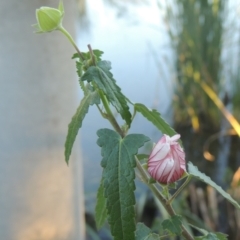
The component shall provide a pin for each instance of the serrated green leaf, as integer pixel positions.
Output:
(79, 68)
(98, 53)
(103, 78)
(155, 118)
(193, 170)
(173, 224)
(61, 7)
(145, 233)
(142, 231)
(86, 55)
(100, 209)
(90, 98)
(118, 179)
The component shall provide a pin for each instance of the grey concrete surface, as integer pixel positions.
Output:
(41, 198)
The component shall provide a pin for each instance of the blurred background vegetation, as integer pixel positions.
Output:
(204, 61)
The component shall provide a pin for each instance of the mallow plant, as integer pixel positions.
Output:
(160, 170)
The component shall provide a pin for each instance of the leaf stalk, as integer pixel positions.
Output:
(109, 115)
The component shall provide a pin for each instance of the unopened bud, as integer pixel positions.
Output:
(49, 19)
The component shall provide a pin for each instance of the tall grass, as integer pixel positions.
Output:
(207, 94)
(196, 29)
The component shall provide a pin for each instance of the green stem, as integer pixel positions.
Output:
(180, 189)
(92, 54)
(134, 114)
(105, 102)
(110, 116)
(162, 199)
(101, 112)
(69, 37)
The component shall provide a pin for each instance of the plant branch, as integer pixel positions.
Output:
(109, 115)
(105, 102)
(180, 189)
(92, 54)
(101, 112)
(69, 37)
(161, 198)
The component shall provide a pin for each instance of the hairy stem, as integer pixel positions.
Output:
(92, 54)
(105, 102)
(69, 37)
(162, 199)
(109, 115)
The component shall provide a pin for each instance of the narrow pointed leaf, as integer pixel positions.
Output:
(118, 179)
(145, 233)
(90, 98)
(155, 118)
(103, 78)
(173, 224)
(100, 210)
(193, 170)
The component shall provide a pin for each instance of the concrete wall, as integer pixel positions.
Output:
(40, 196)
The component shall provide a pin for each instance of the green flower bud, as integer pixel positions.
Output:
(49, 19)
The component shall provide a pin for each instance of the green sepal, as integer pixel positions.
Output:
(151, 180)
(142, 156)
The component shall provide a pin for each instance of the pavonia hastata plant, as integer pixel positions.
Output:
(160, 169)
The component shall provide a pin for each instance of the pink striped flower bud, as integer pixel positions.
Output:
(166, 163)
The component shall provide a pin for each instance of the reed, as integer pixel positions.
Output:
(196, 30)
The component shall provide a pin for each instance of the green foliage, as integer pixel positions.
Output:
(79, 66)
(85, 60)
(86, 55)
(209, 235)
(193, 170)
(103, 78)
(100, 209)
(212, 236)
(49, 19)
(145, 233)
(118, 179)
(155, 118)
(173, 225)
(196, 30)
(115, 197)
(90, 98)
